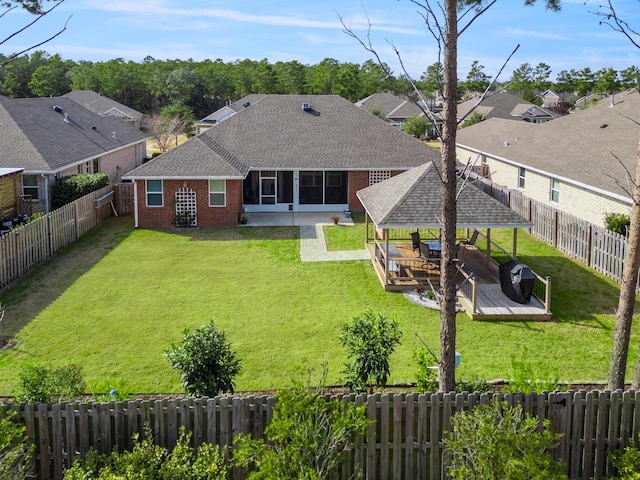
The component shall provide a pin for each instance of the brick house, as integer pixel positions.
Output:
(579, 163)
(282, 153)
(54, 137)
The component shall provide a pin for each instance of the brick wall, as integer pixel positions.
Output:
(359, 179)
(163, 217)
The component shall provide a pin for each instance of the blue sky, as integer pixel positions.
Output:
(309, 31)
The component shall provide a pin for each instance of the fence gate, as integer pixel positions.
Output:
(186, 208)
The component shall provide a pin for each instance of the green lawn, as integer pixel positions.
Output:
(114, 301)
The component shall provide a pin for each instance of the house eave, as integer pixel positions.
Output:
(180, 177)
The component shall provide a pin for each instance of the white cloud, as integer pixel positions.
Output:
(547, 35)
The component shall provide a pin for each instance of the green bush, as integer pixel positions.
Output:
(426, 378)
(40, 383)
(627, 463)
(68, 189)
(15, 450)
(532, 377)
(149, 461)
(205, 360)
(474, 384)
(307, 437)
(370, 340)
(617, 222)
(496, 442)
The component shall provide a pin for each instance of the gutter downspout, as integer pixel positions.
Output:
(46, 192)
(135, 204)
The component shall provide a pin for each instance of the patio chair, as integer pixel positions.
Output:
(415, 240)
(427, 257)
(472, 240)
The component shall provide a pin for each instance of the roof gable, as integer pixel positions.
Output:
(102, 105)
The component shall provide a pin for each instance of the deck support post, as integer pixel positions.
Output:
(474, 295)
(547, 296)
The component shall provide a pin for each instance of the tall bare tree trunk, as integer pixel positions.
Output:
(447, 381)
(626, 301)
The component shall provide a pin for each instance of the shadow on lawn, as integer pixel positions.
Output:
(25, 299)
(578, 293)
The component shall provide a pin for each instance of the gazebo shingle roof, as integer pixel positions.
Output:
(413, 200)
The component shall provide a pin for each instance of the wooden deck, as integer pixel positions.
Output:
(407, 271)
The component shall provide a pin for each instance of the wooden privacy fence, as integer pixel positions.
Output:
(405, 441)
(590, 244)
(29, 245)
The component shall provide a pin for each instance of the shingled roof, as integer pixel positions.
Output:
(413, 199)
(391, 106)
(504, 104)
(585, 148)
(40, 139)
(102, 105)
(276, 133)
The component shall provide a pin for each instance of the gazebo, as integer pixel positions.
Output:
(409, 205)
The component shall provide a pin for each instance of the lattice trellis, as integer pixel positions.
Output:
(377, 176)
(186, 208)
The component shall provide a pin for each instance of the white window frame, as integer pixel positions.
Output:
(521, 176)
(377, 176)
(554, 194)
(217, 192)
(28, 188)
(154, 193)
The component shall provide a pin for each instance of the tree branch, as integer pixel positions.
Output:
(16, 55)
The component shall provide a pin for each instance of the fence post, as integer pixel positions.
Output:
(589, 244)
(76, 218)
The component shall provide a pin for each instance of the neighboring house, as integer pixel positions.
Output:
(228, 110)
(285, 153)
(54, 137)
(550, 99)
(504, 104)
(105, 106)
(396, 109)
(579, 163)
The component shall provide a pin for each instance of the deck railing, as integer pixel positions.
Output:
(542, 286)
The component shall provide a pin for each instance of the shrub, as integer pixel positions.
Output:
(205, 360)
(15, 450)
(532, 377)
(426, 378)
(474, 384)
(617, 222)
(627, 462)
(307, 437)
(39, 383)
(68, 189)
(494, 442)
(370, 340)
(149, 461)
